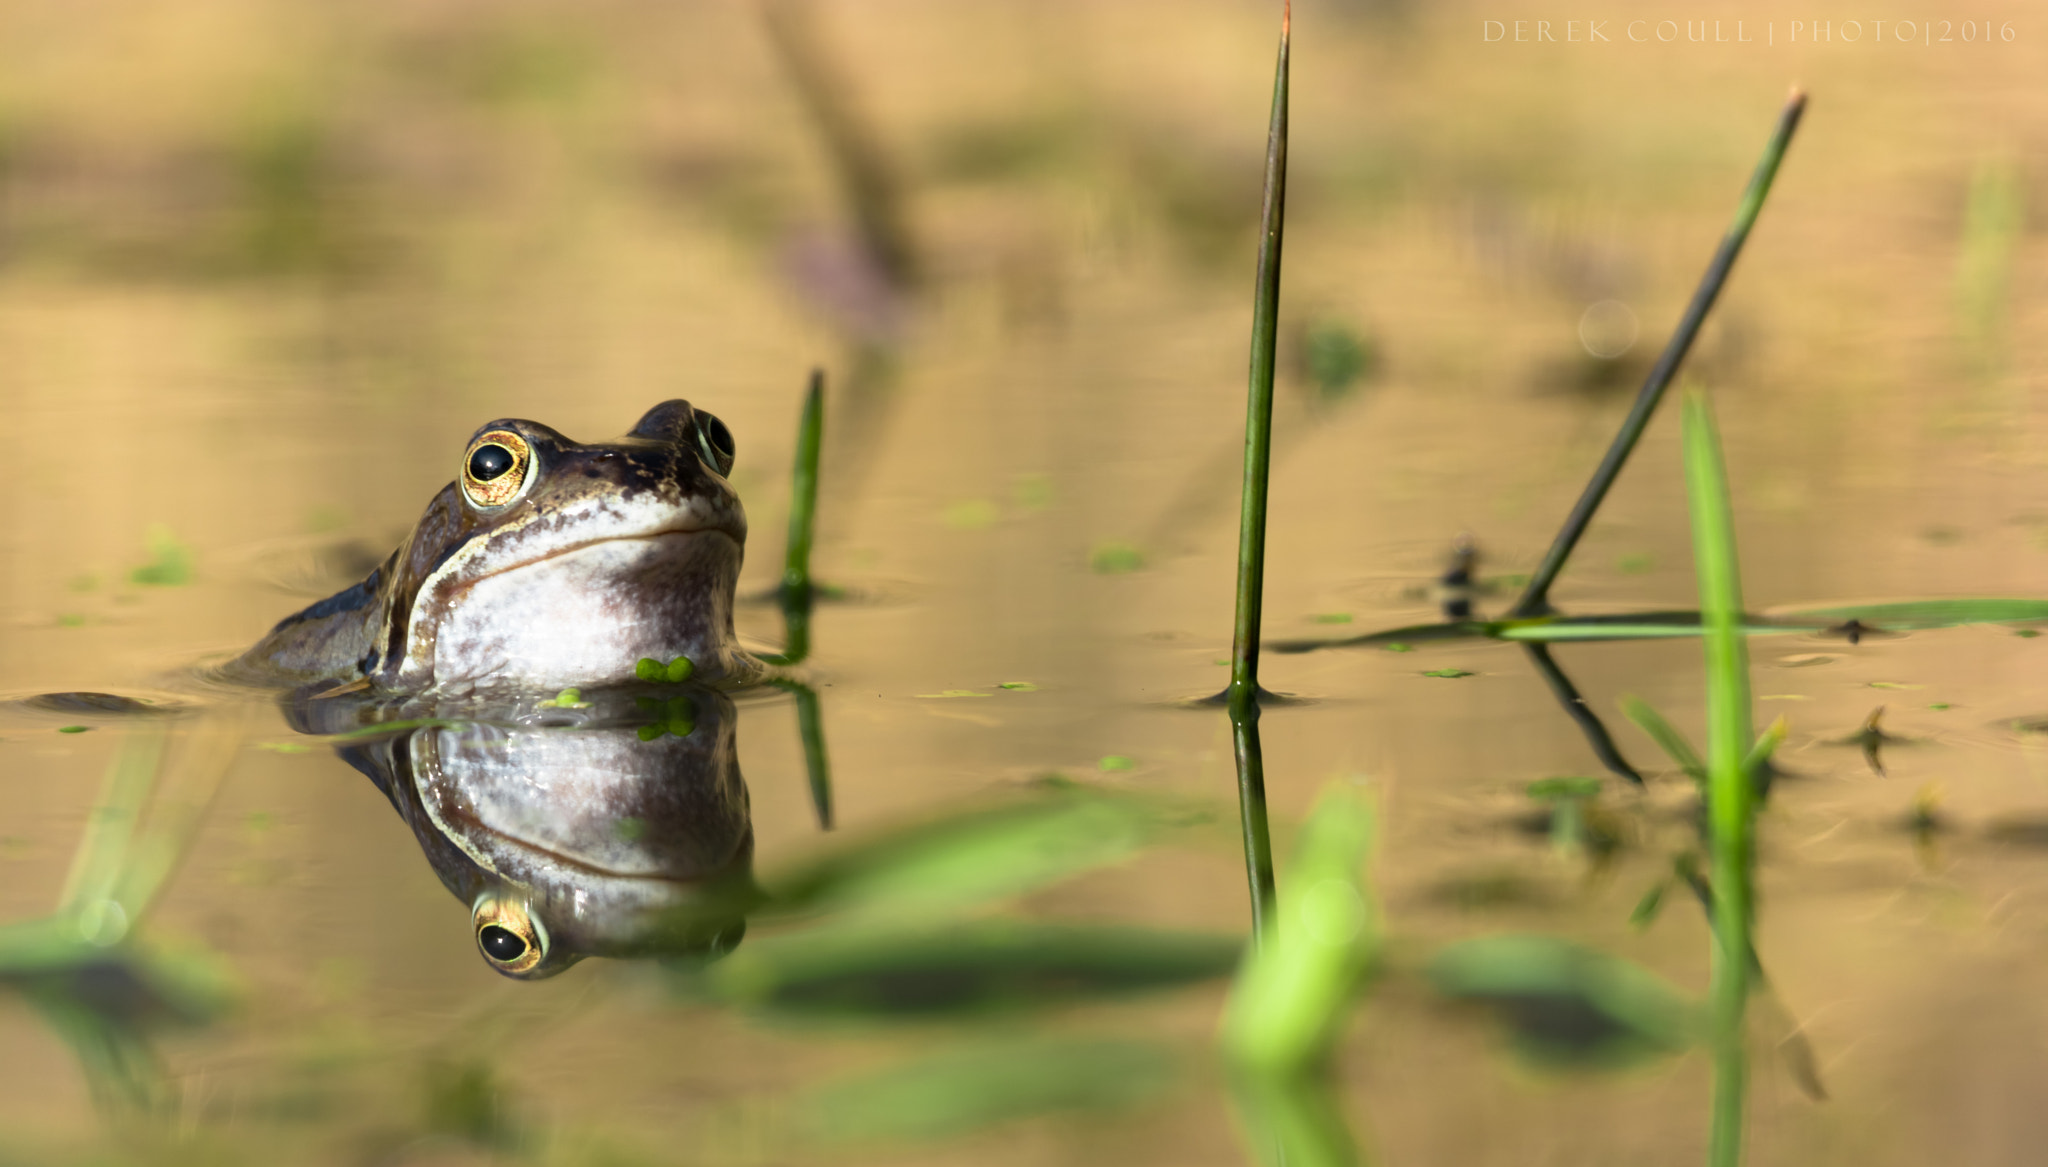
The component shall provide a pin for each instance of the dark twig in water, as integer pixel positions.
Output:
(1244, 692)
(1535, 600)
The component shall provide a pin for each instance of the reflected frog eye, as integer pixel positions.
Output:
(496, 469)
(716, 444)
(511, 939)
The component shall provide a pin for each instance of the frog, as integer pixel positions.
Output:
(546, 563)
(568, 828)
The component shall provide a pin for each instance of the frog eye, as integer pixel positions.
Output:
(496, 468)
(510, 937)
(715, 441)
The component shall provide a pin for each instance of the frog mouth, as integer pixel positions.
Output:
(666, 534)
(531, 850)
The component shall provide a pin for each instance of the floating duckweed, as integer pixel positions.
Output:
(674, 672)
(1117, 762)
(952, 693)
(1032, 492)
(171, 565)
(1941, 705)
(1336, 357)
(1331, 618)
(285, 747)
(1398, 646)
(1019, 686)
(73, 728)
(573, 698)
(1546, 789)
(2027, 633)
(973, 514)
(1448, 674)
(1115, 558)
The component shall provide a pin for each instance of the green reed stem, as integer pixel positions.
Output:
(1243, 694)
(1535, 599)
(797, 593)
(1730, 791)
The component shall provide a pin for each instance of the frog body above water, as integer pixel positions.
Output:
(548, 563)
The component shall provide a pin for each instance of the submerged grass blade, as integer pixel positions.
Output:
(1535, 598)
(1730, 792)
(1243, 695)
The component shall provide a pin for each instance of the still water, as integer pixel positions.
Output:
(264, 270)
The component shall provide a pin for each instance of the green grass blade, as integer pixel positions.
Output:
(1667, 737)
(1730, 792)
(1291, 998)
(803, 493)
(1296, 1120)
(1535, 598)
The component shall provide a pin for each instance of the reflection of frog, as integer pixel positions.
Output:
(570, 831)
(547, 563)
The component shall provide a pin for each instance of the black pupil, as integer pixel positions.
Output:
(487, 463)
(500, 944)
(717, 435)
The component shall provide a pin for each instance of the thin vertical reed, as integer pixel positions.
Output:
(1243, 694)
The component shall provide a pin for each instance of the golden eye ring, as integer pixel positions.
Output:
(496, 469)
(511, 938)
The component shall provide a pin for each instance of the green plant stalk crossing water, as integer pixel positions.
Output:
(1731, 817)
(1243, 694)
(1535, 600)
